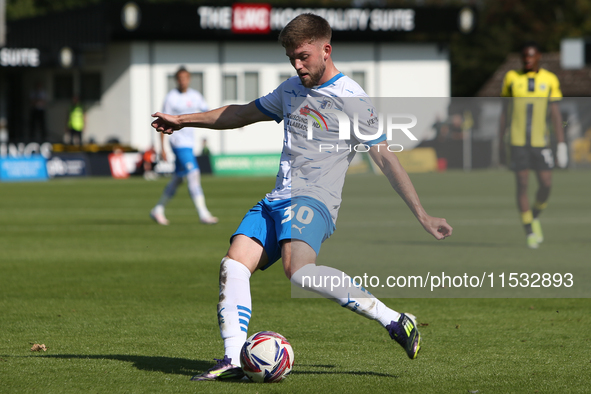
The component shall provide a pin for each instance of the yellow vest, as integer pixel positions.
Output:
(531, 94)
(76, 119)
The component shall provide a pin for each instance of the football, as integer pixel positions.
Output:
(266, 357)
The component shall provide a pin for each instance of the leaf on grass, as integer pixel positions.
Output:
(423, 324)
(458, 326)
(473, 391)
(36, 347)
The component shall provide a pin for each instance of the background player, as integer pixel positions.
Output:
(265, 233)
(183, 100)
(75, 122)
(533, 88)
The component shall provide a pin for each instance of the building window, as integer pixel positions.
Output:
(90, 87)
(284, 76)
(251, 86)
(359, 77)
(63, 86)
(230, 87)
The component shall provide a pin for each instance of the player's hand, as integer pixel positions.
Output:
(437, 227)
(562, 155)
(165, 123)
(163, 155)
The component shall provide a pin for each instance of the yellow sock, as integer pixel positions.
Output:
(527, 217)
(540, 206)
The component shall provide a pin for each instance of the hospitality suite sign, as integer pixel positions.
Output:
(262, 18)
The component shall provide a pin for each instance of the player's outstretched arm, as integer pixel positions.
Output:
(400, 181)
(228, 117)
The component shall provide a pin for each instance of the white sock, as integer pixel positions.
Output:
(337, 286)
(196, 192)
(202, 210)
(234, 308)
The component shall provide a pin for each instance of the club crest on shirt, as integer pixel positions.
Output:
(326, 103)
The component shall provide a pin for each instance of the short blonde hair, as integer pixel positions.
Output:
(305, 28)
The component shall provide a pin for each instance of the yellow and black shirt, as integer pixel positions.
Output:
(531, 92)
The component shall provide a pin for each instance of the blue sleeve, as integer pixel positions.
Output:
(272, 103)
(267, 112)
(376, 141)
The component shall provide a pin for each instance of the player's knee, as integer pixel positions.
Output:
(175, 182)
(287, 270)
(193, 176)
(522, 187)
(298, 277)
(228, 264)
(546, 184)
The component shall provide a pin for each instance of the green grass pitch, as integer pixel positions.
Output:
(125, 305)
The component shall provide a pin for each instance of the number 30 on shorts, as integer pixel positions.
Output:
(304, 214)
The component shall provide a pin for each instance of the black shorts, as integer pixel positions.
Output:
(529, 158)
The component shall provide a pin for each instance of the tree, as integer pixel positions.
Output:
(503, 26)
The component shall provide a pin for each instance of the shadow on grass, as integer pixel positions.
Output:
(177, 366)
(183, 366)
(329, 366)
(318, 365)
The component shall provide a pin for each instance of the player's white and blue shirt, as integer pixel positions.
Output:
(316, 167)
(177, 103)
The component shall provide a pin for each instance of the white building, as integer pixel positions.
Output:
(120, 58)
